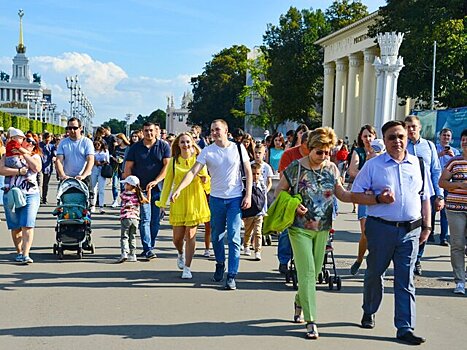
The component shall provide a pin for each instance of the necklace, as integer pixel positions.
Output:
(318, 174)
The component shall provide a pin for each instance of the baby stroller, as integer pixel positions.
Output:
(324, 275)
(73, 229)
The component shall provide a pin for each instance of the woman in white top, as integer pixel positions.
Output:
(21, 221)
(101, 157)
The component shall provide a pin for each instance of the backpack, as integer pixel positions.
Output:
(258, 199)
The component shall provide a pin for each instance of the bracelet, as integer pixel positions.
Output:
(377, 199)
(426, 228)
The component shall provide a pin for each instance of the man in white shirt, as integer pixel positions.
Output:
(226, 201)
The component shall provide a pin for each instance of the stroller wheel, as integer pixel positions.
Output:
(331, 284)
(320, 277)
(338, 283)
(327, 277)
(55, 248)
(268, 240)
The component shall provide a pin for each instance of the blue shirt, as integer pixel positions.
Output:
(74, 154)
(48, 152)
(427, 150)
(148, 162)
(404, 179)
(446, 158)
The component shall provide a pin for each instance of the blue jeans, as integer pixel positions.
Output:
(388, 243)
(115, 185)
(226, 213)
(421, 249)
(149, 222)
(284, 249)
(443, 220)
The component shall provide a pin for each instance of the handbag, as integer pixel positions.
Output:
(107, 171)
(15, 198)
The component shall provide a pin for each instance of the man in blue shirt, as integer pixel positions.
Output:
(48, 158)
(421, 147)
(399, 218)
(147, 160)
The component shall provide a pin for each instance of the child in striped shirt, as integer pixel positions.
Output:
(131, 199)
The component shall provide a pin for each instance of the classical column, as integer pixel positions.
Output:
(369, 87)
(328, 93)
(387, 72)
(352, 121)
(341, 94)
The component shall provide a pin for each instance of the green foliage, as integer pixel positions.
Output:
(344, 12)
(35, 126)
(157, 116)
(116, 126)
(216, 91)
(6, 122)
(25, 124)
(423, 22)
(295, 72)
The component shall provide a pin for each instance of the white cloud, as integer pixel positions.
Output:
(108, 86)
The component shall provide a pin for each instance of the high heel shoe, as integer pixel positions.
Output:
(311, 331)
(297, 317)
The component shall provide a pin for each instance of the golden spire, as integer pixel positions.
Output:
(20, 48)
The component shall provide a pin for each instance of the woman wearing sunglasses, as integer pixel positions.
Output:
(317, 180)
(21, 221)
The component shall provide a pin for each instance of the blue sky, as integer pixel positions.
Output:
(131, 54)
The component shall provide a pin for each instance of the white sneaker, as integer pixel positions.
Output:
(115, 204)
(132, 258)
(122, 258)
(247, 251)
(181, 261)
(207, 253)
(186, 274)
(102, 211)
(93, 209)
(460, 288)
(258, 256)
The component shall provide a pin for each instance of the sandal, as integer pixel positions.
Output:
(311, 331)
(297, 317)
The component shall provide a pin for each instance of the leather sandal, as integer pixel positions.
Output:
(311, 331)
(297, 317)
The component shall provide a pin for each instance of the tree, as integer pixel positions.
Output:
(158, 117)
(296, 72)
(342, 13)
(116, 126)
(216, 91)
(423, 22)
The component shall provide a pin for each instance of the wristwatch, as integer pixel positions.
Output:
(441, 198)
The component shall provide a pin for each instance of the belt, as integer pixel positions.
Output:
(409, 225)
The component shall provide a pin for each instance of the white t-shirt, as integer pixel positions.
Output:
(26, 183)
(224, 167)
(266, 172)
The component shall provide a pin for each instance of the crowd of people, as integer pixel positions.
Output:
(222, 181)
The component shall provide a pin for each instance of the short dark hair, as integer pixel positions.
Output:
(74, 119)
(151, 123)
(391, 124)
(464, 133)
(443, 130)
(305, 136)
(289, 133)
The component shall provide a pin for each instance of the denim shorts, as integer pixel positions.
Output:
(362, 211)
(25, 216)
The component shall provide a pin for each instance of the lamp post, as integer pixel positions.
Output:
(72, 84)
(127, 119)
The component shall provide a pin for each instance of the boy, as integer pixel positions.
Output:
(253, 217)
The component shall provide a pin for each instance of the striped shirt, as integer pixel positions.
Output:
(456, 199)
(130, 205)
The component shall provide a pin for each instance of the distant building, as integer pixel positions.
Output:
(176, 118)
(23, 95)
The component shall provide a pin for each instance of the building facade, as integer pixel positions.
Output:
(349, 91)
(176, 118)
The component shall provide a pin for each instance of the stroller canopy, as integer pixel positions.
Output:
(70, 183)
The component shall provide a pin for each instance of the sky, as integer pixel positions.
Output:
(130, 55)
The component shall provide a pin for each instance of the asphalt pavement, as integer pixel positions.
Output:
(94, 303)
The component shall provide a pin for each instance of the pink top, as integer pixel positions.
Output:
(130, 205)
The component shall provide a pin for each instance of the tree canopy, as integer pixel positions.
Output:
(216, 91)
(342, 13)
(119, 125)
(423, 22)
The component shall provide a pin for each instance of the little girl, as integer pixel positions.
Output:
(131, 198)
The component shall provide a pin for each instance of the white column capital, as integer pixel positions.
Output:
(355, 60)
(342, 65)
(329, 68)
(370, 54)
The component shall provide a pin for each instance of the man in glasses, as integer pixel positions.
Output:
(75, 154)
(147, 160)
(399, 218)
(420, 147)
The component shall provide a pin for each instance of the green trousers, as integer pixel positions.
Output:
(308, 250)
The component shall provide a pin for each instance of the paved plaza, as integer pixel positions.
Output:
(94, 303)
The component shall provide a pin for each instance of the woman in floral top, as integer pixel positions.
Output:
(317, 180)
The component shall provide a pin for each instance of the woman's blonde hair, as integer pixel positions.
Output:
(176, 151)
(324, 137)
(122, 137)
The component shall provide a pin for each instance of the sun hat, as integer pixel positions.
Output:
(131, 180)
(15, 132)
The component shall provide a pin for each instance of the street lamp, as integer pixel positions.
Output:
(127, 119)
(72, 84)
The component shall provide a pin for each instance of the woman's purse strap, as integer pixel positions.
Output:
(298, 177)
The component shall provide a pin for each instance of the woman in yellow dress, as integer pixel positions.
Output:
(191, 208)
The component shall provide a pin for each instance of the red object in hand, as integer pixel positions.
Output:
(342, 155)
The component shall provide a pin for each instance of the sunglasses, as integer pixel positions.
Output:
(72, 128)
(31, 141)
(395, 137)
(321, 152)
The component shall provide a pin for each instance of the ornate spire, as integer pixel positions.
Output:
(20, 48)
